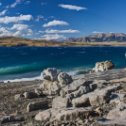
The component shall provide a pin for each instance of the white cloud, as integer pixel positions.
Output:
(15, 19)
(17, 30)
(72, 7)
(55, 23)
(23, 33)
(19, 27)
(52, 31)
(49, 37)
(2, 13)
(15, 3)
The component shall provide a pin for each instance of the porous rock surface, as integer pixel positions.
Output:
(64, 116)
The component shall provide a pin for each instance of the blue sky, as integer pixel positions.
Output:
(59, 19)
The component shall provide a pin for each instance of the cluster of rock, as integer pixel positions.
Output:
(74, 99)
(76, 102)
(54, 81)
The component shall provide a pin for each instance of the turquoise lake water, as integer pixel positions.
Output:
(19, 62)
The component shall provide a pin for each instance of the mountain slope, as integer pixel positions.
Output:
(101, 37)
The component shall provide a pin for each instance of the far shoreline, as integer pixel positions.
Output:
(97, 44)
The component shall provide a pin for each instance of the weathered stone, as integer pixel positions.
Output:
(103, 66)
(101, 96)
(75, 85)
(100, 83)
(18, 97)
(60, 102)
(49, 87)
(64, 79)
(50, 74)
(117, 114)
(82, 101)
(64, 115)
(43, 116)
(30, 95)
(82, 90)
(32, 106)
(96, 98)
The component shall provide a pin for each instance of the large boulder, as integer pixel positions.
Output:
(50, 87)
(103, 66)
(64, 79)
(50, 74)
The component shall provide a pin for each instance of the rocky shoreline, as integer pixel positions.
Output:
(94, 99)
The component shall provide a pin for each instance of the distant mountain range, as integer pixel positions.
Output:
(100, 37)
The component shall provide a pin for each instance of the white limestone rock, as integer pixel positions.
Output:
(103, 66)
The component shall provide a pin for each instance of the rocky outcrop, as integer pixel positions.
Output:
(54, 81)
(76, 100)
(75, 96)
(103, 66)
